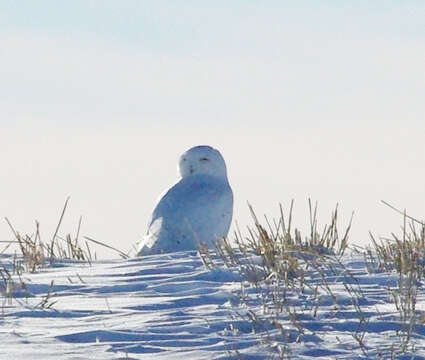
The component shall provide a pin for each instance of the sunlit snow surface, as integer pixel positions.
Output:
(171, 307)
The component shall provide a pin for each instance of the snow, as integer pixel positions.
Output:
(171, 307)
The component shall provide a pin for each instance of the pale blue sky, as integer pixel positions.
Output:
(308, 98)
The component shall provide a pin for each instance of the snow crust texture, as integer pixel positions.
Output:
(170, 307)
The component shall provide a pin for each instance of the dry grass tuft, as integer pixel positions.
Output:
(281, 265)
(35, 253)
(280, 246)
(405, 255)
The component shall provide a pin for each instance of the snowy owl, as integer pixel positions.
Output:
(197, 210)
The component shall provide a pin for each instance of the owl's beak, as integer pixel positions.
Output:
(191, 170)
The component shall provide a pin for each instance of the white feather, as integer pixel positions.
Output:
(197, 209)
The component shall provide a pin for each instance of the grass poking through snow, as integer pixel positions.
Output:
(272, 292)
(290, 277)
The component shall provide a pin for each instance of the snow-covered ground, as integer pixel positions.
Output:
(172, 307)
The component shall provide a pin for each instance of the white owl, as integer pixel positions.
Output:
(197, 210)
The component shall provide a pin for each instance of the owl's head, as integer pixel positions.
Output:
(202, 160)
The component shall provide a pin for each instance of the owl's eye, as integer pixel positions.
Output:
(204, 159)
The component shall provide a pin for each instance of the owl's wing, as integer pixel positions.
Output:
(184, 211)
(187, 195)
